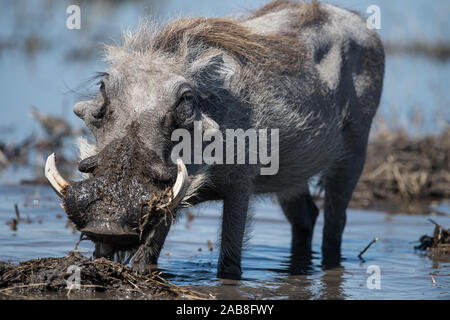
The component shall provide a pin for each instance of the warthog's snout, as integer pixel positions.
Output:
(129, 194)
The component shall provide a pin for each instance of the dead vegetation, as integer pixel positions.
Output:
(30, 151)
(439, 243)
(439, 51)
(157, 212)
(401, 169)
(42, 277)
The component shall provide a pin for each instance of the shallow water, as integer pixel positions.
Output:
(188, 260)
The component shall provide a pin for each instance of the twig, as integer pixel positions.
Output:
(79, 241)
(85, 286)
(433, 281)
(16, 208)
(366, 248)
(134, 285)
(24, 286)
(435, 223)
(196, 295)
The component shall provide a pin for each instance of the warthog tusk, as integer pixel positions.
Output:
(53, 176)
(181, 185)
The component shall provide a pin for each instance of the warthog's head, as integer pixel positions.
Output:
(135, 185)
(129, 200)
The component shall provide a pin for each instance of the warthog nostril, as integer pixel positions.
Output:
(88, 165)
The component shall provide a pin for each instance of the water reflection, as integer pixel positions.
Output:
(309, 284)
(309, 280)
(270, 271)
(300, 263)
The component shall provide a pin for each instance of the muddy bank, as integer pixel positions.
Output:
(438, 244)
(44, 277)
(439, 51)
(30, 152)
(404, 171)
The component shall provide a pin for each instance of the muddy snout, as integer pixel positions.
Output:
(100, 215)
(129, 192)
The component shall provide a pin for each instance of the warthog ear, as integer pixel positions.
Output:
(211, 72)
(211, 75)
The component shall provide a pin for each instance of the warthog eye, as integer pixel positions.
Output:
(187, 97)
(181, 114)
(185, 107)
(100, 113)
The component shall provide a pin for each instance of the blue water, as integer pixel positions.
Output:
(45, 77)
(189, 259)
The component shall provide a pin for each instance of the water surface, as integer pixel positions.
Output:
(188, 259)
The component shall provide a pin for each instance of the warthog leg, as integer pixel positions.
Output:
(339, 185)
(302, 213)
(235, 206)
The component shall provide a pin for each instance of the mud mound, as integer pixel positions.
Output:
(47, 276)
(401, 169)
(438, 243)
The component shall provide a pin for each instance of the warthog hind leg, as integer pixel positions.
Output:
(339, 185)
(302, 213)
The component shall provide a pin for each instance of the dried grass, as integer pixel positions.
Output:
(36, 278)
(400, 168)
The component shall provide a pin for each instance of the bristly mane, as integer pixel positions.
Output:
(308, 13)
(283, 53)
(273, 6)
(272, 52)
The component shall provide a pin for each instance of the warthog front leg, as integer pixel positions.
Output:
(235, 206)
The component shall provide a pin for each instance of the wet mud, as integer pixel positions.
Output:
(438, 244)
(404, 172)
(41, 277)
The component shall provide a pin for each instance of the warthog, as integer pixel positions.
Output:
(313, 71)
